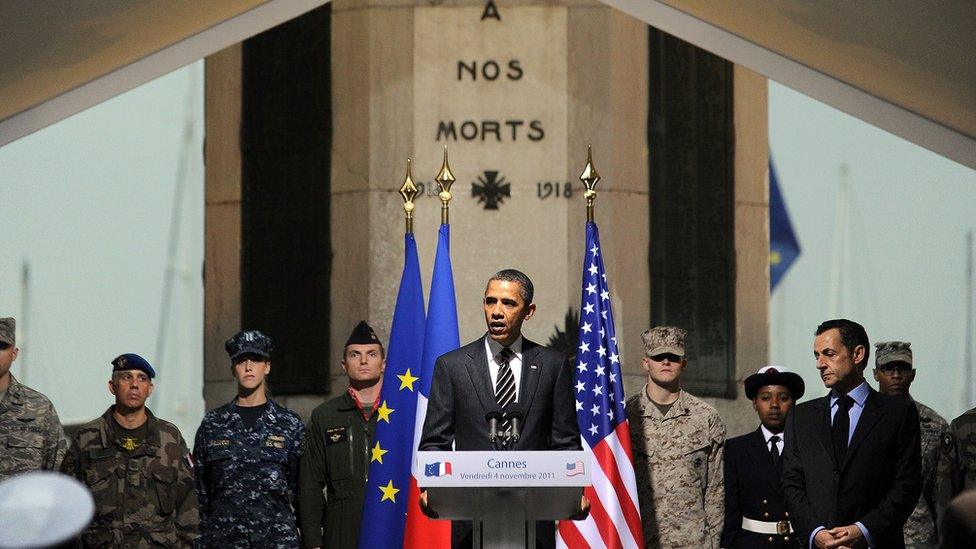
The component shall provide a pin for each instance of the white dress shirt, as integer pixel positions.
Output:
(493, 348)
(767, 434)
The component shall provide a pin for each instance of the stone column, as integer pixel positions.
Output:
(516, 97)
(222, 213)
(751, 243)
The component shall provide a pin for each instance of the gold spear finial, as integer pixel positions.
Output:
(444, 180)
(590, 178)
(409, 191)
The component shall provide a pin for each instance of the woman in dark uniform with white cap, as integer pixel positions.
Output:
(755, 511)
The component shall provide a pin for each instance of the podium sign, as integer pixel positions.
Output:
(502, 469)
(504, 493)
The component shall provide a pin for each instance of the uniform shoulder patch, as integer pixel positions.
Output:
(947, 443)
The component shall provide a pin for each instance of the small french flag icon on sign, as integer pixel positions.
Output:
(437, 469)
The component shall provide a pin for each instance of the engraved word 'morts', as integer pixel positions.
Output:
(500, 130)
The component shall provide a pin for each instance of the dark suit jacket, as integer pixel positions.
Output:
(879, 482)
(752, 490)
(461, 395)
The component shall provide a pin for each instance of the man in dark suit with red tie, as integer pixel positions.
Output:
(755, 511)
(503, 373)
(852, 463)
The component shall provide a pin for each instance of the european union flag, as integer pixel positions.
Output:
(441, 336)
(391, 455)
(783, 246)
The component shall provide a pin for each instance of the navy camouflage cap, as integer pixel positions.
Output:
(8, 331)
(249, 342)
(132, 361)
(892, 351)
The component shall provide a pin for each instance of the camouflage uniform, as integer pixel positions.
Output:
(961, 450)
(921, 530)
(143, 497)
(247, 479)
(31, 436)
(678, 465)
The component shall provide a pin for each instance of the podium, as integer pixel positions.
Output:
(503, 493)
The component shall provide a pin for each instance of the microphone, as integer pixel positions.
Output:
(493, 418)
(516, 419)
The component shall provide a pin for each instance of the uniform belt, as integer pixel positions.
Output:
(780, 528)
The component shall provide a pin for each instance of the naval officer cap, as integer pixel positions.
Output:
(132, 361)
(892, 351)
(774, 375)
(43, 509)
(249, 342)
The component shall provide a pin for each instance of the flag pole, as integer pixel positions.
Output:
(408, 191)
(444, 180)
(590, 178)
(614, 519)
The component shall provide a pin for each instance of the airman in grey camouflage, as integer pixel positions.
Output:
(31, 436)
(136, 467)
(895, 373)
(678, 441)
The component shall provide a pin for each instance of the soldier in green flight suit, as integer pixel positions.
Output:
(332, 474)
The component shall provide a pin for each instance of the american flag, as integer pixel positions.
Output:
(614, 519)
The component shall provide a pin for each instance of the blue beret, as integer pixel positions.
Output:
(132, 361)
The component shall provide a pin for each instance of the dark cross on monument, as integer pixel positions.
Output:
(492, 191)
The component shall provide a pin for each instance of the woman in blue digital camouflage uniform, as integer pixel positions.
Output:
(246, 458)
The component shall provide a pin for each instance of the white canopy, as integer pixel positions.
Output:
(904, 66)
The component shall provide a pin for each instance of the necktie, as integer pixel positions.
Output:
(840, 429)
(773, 449)
(505, 386)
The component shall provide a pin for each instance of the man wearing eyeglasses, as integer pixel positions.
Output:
(895, 373)
(678, 441)
(136, 467)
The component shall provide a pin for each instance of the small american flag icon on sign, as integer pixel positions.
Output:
(573, 469)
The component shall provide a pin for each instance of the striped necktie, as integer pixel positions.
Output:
(505, 386)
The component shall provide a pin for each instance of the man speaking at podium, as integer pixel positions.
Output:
(502, 391)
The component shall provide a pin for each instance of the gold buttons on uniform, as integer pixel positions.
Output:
(786, 514)
(770, 538)
(786, 538)
(765, 502)
(766, 515)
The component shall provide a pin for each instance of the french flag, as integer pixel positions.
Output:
(440, 336)
(437, 469)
